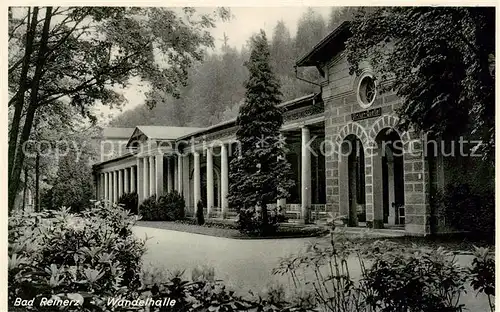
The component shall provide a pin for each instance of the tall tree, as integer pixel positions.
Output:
(81, 53)
(311, 28)
(73, 186)
(260, 173)
(339, 15)
(282, 56)
(439, 60)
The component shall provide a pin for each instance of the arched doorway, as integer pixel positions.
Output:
(352, 180)
(389, 178)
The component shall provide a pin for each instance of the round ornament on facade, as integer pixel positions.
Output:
(367, 90)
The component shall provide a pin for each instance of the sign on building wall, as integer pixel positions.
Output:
(375, 112)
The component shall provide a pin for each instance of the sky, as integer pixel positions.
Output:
(244, 23)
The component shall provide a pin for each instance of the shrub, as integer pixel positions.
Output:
(249, 221)
(469, 211)
(413, 279)
(149, 209)
(334, 290)
(200, 218)
(173, 205)
(84, 256)
(204, 293)
(482, 274)
(396, 279)
(129, 202)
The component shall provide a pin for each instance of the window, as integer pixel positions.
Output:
(366, 90)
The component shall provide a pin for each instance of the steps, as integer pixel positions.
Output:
(392, 232)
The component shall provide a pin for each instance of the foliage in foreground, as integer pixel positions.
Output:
(86, 255)
(392, 278)
(93, 257)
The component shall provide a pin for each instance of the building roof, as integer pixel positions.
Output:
(231, 122)
(166, 133)
(180, 133)
(327, 47)
(117, 133)
(126, 155)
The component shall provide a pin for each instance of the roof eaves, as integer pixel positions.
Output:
(306, 59)
(126, 155)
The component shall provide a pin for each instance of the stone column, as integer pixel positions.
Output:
(140, 182)
(392, 198)
(196, 180)
(110, 187)
(126, 181)
(180, 163)
(152, 180)
(224, 180)
(176, 173)
(170, 176)
(101, 186)
(120, 183)
(210, 181)
(106, 186)
(377, 194)
(417, 182)
(186, 184)
(132, 178)
(305, 175)
(145, 177)
(159, 175)
(115, 186)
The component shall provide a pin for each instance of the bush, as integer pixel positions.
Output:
(250, 222)
(129, 202)
(396, 279)
(200, 218)
(469, 211)
(414, 280)
(204, 293)
(149, 210)
(81, 256)
(482, 274)
(173, 205)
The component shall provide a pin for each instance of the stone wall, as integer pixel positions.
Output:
(340, 98)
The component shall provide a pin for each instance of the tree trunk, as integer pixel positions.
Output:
(33, 105)
(19, 97)
(25, 188)
(37, 183)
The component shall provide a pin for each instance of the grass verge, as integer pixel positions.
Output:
(228, 229)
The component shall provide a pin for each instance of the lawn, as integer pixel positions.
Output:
(226, 228)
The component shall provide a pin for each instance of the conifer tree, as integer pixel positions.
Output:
(260, 174)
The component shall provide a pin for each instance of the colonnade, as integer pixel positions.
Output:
(114, 183)
(146, 177)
